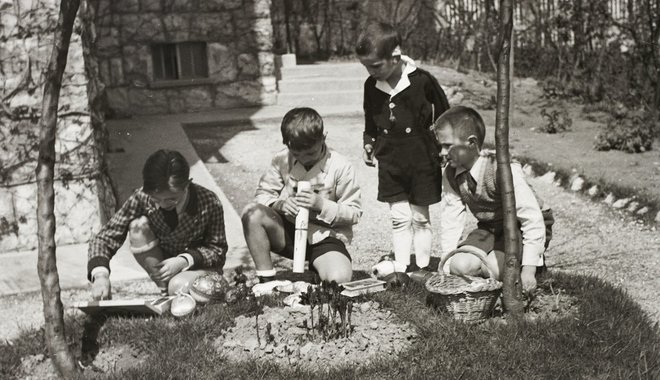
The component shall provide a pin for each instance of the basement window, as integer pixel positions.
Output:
(179, 61)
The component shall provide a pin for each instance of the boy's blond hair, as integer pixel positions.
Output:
(465, 122)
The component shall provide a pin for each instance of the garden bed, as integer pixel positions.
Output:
(582, 327)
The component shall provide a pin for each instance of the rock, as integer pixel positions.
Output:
(633, 206)
(657, 217)
(374, 325)
(548, 177)
(304, 350)
(642, 211)
(251, 344)
(610, 199)
(577, 184)
(621, 203)
(269, 349)
(528, 170)
(593, 191)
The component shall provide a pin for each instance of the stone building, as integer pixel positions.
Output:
(127, 57)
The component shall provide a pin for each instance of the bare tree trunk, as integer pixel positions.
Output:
(46, 264)
(512, 287)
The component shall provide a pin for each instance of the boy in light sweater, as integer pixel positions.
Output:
(469, 180)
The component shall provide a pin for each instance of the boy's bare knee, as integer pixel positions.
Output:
(465, 265)
(334, 266)
(139, 225)
(338, 275)
(253, 213)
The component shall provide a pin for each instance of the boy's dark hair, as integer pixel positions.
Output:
(465, 122)
(165, 170)
(378, 38)
(302, 128)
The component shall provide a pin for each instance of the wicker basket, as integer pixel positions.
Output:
(467, 298)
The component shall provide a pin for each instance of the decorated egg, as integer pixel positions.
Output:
(182, 305)
(209, 287)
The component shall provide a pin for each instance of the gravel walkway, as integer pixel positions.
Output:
(588, 237)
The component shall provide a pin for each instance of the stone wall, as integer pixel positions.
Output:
(26, 27)
(238, 34)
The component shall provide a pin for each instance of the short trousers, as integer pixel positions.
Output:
(313, 251)
(487, 239)
(407, 172)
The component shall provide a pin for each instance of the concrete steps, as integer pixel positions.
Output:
(322, 85)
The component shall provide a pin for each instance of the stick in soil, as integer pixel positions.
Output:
(256, 325)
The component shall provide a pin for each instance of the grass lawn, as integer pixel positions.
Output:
(607, 337)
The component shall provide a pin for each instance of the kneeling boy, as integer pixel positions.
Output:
(333, 203)
(469, 180)
(175, 228)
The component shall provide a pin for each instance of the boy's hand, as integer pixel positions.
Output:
(289, 207)
(528, 277)
(101, 287)
(170, 268)
(310, 200)
(368, 155)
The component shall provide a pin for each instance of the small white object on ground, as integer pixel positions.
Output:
(621, 203)
(268, 287)
(642, 211)
(633, 206)
(610, 199)
(577, 184)
(593, 191)
(387, 267)
(657, 217)
(548, 177)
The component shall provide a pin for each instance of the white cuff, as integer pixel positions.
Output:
(328, 212)
(98, 270)
(532, 255)
(189, 259)
(266, 273)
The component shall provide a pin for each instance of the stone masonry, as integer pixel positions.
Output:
(238, 37)
(26, 29)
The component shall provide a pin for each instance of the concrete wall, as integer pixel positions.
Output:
(238, 34)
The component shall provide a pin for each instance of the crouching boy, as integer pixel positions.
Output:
(333, 203)
(175, 229)
(469, 180)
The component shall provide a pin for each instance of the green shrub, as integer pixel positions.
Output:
(558, 120)
(631, 132)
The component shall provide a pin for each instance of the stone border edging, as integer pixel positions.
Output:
(597, 191)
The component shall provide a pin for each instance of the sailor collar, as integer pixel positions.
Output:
(404, 82)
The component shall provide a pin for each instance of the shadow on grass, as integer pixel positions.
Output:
(608, 336)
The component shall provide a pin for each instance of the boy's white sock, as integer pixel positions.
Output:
(266, 273)
(423, 235)
(402, 233)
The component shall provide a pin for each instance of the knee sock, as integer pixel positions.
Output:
(423, 235)
(402, 233)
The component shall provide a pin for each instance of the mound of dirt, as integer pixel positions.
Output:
(375, 333)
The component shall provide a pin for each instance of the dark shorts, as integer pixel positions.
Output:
(314, 251)
(407, 171)
(487, 239)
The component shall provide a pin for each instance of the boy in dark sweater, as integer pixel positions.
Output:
(469, 180)
(401, 101)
